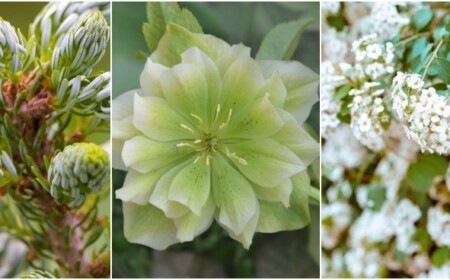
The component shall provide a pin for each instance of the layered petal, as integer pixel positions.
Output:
(240, 85)
(186, 91)
(138, 187)
(177, 39)
(231, 55)
(302, 85)
(122, 116)
(280, 193)
(116, 157)
(233, 196)
(209, 70)
(147, 225)
(158, 121)
(160, 195)
(191, 225)
(191, 186)
(150, 79)
(144, 154)
(274, 216)
(246, 236)
(257, 120)
(264, 161)
(275, 88)
(295, 137)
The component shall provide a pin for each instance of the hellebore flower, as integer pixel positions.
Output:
(79, 170)
(213, 135)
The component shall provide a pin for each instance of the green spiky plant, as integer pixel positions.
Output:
(54, 111)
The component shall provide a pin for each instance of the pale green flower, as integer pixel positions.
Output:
(213, 135)
(79, 170)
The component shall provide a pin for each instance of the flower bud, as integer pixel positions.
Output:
(57, 17)
(79, 170)
(82, 47)
(13, 53)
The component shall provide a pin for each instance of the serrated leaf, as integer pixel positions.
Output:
(443, 68)
(342, 92)
(441, 256)
(159, 14)
(422, 18)
(280, 43)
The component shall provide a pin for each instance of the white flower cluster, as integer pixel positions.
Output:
(424, 112)
(438, 226)
(368, 115)
(377, 59)
(330, 7)
(385, 19)
(332, 76)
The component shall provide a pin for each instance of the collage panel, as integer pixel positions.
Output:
(385, 131)
(215, 152)
(55, 140)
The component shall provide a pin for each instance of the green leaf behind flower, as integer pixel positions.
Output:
(282, 40)
(443, 69)
(420, 175)
(422, 18)
(159, 14)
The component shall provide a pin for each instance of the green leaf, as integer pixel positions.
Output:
(441, 256)
(342, 92)
(282, 40)
(420, 175)
(423, 237)
(422, 18)
(376, 197)
(443, 68)
(159, 14)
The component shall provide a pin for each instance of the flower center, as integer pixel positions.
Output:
(207, 143)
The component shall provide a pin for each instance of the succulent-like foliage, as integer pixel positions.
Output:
(49, 199)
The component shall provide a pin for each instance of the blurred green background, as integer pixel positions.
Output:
(213, 254)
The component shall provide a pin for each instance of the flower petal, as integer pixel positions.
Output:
(148, 226)
(138, 187)
(157, 120)
(275, 88)
(230, 55)
(144, 155)
(116, 156)
(265, 162)
(233, 196)
(297, 139)
(258, 120)
(191, 186)
(160, 195)
(209, 70)
(240, 85)
(186, 91)
(177, 39)
(274, 216)
(191, 225)
(149, 78)
(280, 193)
(121, 119)
(246, 237)
(301, 84)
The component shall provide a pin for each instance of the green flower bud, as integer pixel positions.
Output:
(79, 170)
(13, 53)
(58, 17)
(82, 47)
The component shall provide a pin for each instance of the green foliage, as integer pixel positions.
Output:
(440, 256)
(283, 40)
(422, 18)
(443, 69)
(376, 197)
(159, 14)
(420, 174)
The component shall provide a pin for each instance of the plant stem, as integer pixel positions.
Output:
(408, 39)
(432, 58)
(314, 194)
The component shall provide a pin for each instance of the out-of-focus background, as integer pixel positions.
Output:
(214, 254)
